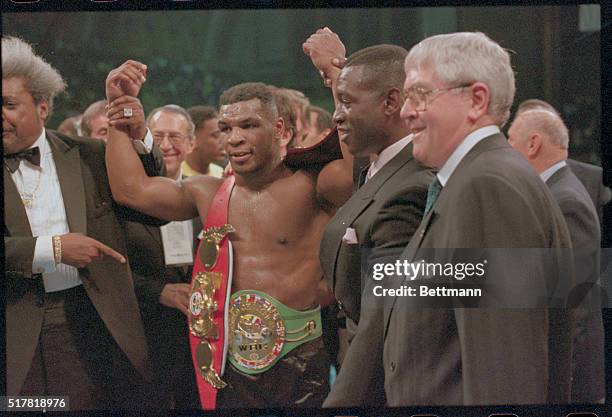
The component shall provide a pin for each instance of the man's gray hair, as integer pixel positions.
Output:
(42, 80)
(547, 123)
(176, 109)
(468, 57)
(93, 110)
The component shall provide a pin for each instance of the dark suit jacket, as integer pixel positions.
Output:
(89, 210)
(146, 254)
(165, 327)
(384, 212)
(472, 356)
(591, 176)
(588, 379)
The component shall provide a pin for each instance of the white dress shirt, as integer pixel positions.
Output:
(47, 216)
(386, 155)
(47, 213)
(458, 154)
(545, 175)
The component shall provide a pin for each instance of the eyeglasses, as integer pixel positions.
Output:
(175, 138)
(418, 97)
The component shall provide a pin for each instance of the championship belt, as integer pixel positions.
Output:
(209, 299)
(326, 150)
(263, 330)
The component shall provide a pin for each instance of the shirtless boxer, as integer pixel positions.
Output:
(278, 215)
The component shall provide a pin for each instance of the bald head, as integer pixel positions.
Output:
(534, 104)
(541, 136)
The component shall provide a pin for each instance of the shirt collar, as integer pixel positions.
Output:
(464, 147)
(550, 171)
(179, 177)
(388, 154)
(43, 145)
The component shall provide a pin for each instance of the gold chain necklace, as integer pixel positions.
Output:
(28, 198)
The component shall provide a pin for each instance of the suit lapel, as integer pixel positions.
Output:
(68, 165)
(410, 253)
(369, 189)
(364, 196)
(494, 141)
(16, 218)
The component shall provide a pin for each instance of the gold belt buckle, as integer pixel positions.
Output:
(257, 332)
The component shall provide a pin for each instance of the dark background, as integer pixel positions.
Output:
(193, 55)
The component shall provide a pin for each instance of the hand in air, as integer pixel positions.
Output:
(127, 79)
(127, 115)
(327, 53)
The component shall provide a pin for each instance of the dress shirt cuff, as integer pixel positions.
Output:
(144, 146)
(44, 261)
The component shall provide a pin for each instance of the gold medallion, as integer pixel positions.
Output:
(204, 358)
(202, 304)
(257, 332)
(211, 238)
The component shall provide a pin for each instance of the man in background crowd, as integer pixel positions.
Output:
(287, 110)
(94, 123)
(320, 125)
(161, 259)
(590, 175)
(71, 126)
(207, 154)
(543, 139)
(299, 103)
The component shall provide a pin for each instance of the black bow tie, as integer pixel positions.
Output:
(13, 160)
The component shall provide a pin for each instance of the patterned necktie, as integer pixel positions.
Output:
(32, 155)
(432, 194)
(363, 176)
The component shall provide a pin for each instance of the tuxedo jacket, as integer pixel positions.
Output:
(588, 378)
(479, 356)
(384, 213)
(90, 210)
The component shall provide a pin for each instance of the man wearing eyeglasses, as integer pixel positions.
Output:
(459, 88)
(172, 130)
(383, 213)
(161, 259)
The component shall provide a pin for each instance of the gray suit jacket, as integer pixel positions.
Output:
(478, 356)
(384, 213)
(588, 379)
(591, 176)
(89, 210)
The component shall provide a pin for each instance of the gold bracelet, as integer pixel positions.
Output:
(57, 249)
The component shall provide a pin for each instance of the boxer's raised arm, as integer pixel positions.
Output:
(156, 196)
